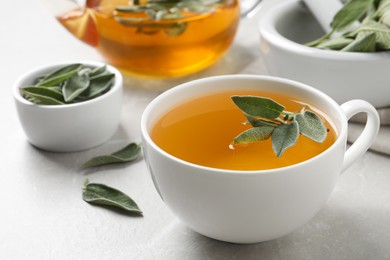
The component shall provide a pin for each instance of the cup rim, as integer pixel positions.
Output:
(44, 68)
(267, 29)
(182, 87)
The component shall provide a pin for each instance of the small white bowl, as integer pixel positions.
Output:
(70, 127)
(343, 75)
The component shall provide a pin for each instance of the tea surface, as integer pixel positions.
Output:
(201, 130)
(154, 51)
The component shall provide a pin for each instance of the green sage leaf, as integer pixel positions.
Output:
(44, 92)
(385, 18)
(284, 136)
(75, 85)
(98, 71)
(100, 194)
(364, 43)
(40, 96)
(256, 122)
(70, 84)
(254, 135)
(383, 7)
(176, 30)
(382, 33)
(353, 10)
(311, 126)
(98, 85)
(59, 75)
(258, 106)
(335, 44)
(126, 154)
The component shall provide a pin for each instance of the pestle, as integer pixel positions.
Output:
(324, 11)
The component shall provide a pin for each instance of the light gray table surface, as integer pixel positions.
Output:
(42, 214)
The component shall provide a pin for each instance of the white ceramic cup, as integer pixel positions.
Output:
(252, 206)
(70, 127)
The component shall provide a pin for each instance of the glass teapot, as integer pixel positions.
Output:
(159, 38)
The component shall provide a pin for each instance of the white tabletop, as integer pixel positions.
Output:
(44, 217)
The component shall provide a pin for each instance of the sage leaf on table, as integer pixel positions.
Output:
(269, 119)
(69, 84)
(101, 194)
(124, 155)
(372, 34)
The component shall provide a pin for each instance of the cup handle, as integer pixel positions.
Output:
(370, 131)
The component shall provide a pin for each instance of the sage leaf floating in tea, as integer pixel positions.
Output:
(258, 106)
(69, 84)
(124, 155)
(269, 120)
(373, 33)
(311, 126)
(255, 134)
(284, 136)
(100, 194)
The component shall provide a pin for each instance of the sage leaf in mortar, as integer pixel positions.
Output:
(372, 34)
(269, 120)
(380, 30)
(335, 44)
(101, 194)
(353, 10)
(363, 43)
(126, 154)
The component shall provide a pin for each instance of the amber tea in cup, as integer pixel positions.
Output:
(201, 130)
(245, 206)
(170, 44)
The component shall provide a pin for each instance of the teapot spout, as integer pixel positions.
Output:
(81, 23)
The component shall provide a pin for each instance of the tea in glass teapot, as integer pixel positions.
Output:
(159, 38)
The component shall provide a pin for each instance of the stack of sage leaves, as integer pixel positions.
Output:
(69, 84)
(372, 34)
(163, 14)
(269, 119)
